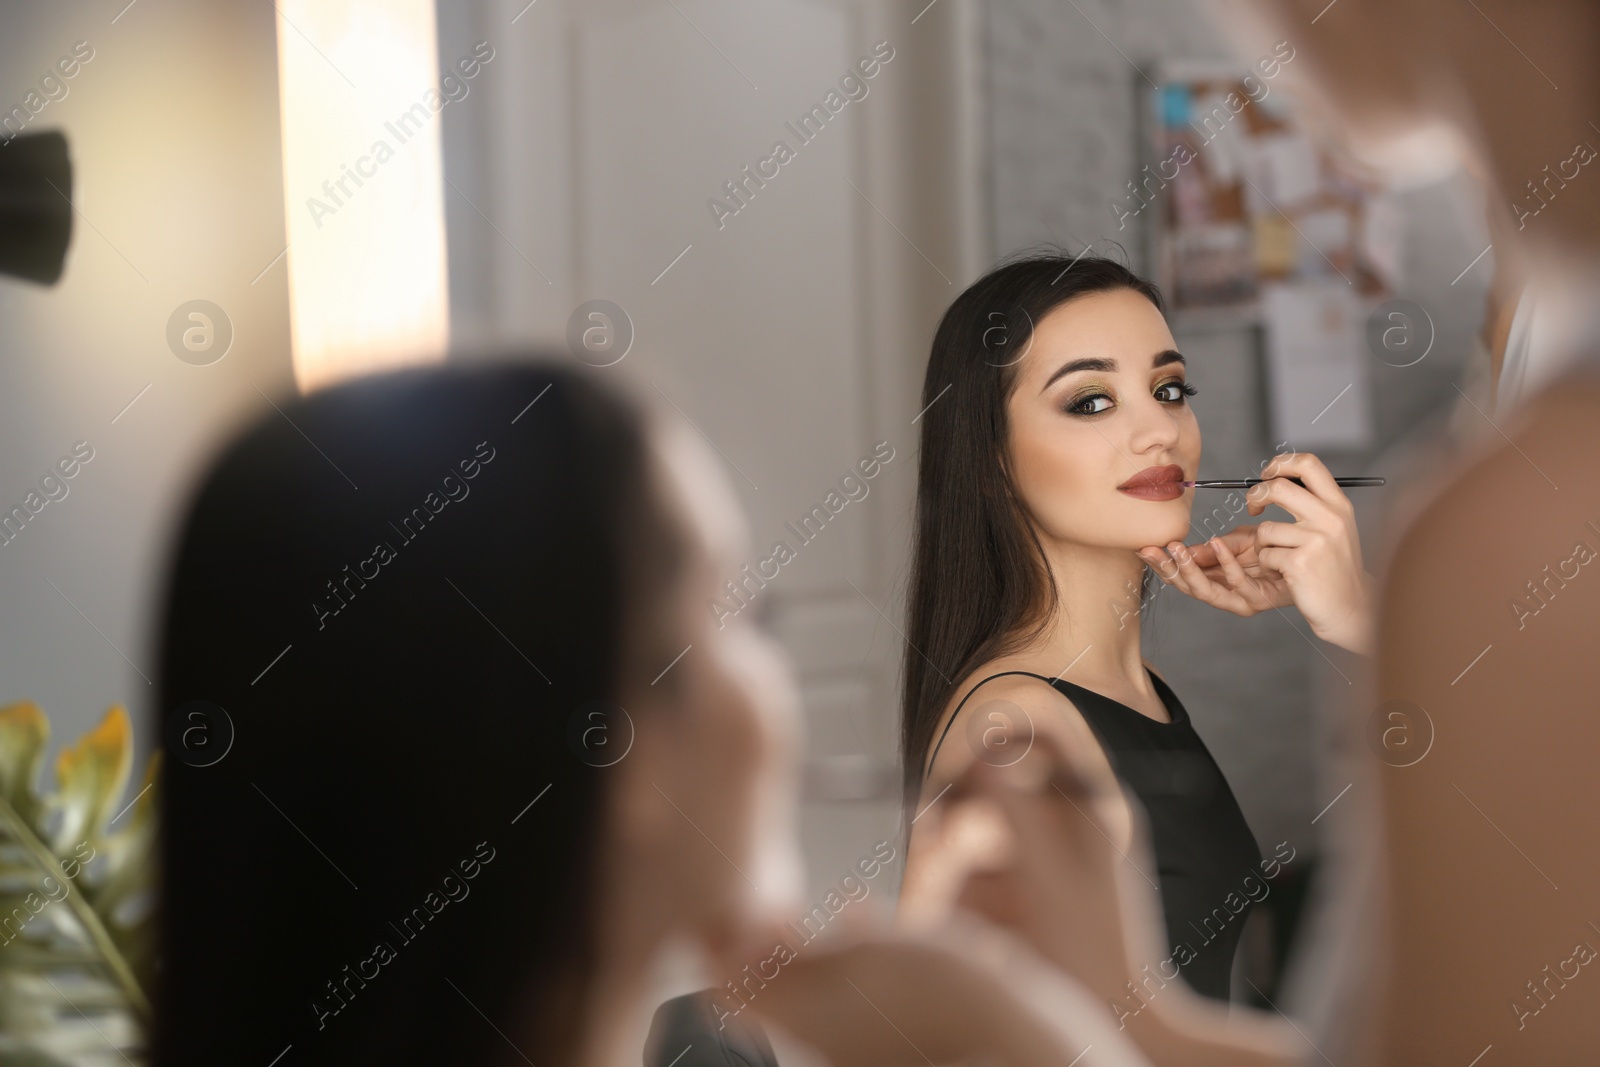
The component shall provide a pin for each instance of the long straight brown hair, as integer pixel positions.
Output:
(980, 586)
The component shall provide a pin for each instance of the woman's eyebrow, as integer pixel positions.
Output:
(1160, 359)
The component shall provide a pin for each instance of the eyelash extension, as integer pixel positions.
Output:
(1073, 406)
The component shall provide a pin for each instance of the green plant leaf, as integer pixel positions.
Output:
(24, 731)
(73, 966)
(124, 877)
(90, 777)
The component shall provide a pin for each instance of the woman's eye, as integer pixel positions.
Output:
(1093, 404)
(1175, 391)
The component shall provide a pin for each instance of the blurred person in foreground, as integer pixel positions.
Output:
(1487, 621)
(489, 756)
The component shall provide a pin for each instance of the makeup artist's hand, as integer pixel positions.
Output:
(1058, 878)
(1313, 563)
(964, 992)
(1093, 910)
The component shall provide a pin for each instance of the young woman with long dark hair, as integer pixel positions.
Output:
(1055, 439)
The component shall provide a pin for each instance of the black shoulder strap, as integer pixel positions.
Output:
(955, 714)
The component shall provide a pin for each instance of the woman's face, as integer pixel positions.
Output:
(1099, 400)
(717, 730)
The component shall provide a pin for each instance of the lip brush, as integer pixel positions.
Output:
(1245, 483)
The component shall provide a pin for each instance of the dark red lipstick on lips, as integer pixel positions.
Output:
(1156, 483)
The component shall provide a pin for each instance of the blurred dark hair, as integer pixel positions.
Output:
(384, 750)
(980, 584)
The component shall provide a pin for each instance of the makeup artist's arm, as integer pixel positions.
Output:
(955, 993)
(943, 848)
(1490, 621)
(960, 994)
(1313, 563)
(1034, 846)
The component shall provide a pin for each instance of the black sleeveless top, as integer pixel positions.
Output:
(1204, 849)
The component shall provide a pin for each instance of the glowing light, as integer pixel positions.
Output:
(363, 186)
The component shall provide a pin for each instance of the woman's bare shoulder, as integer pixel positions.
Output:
(1493, 545)
(1488, 623)
(1488, 517)
(1002, 704)
(999, 724)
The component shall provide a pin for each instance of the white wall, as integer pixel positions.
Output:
(174, 138)
(793, 336)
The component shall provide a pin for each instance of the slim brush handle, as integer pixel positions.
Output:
(1245, 483)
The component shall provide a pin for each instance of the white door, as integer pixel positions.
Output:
(789, 325)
